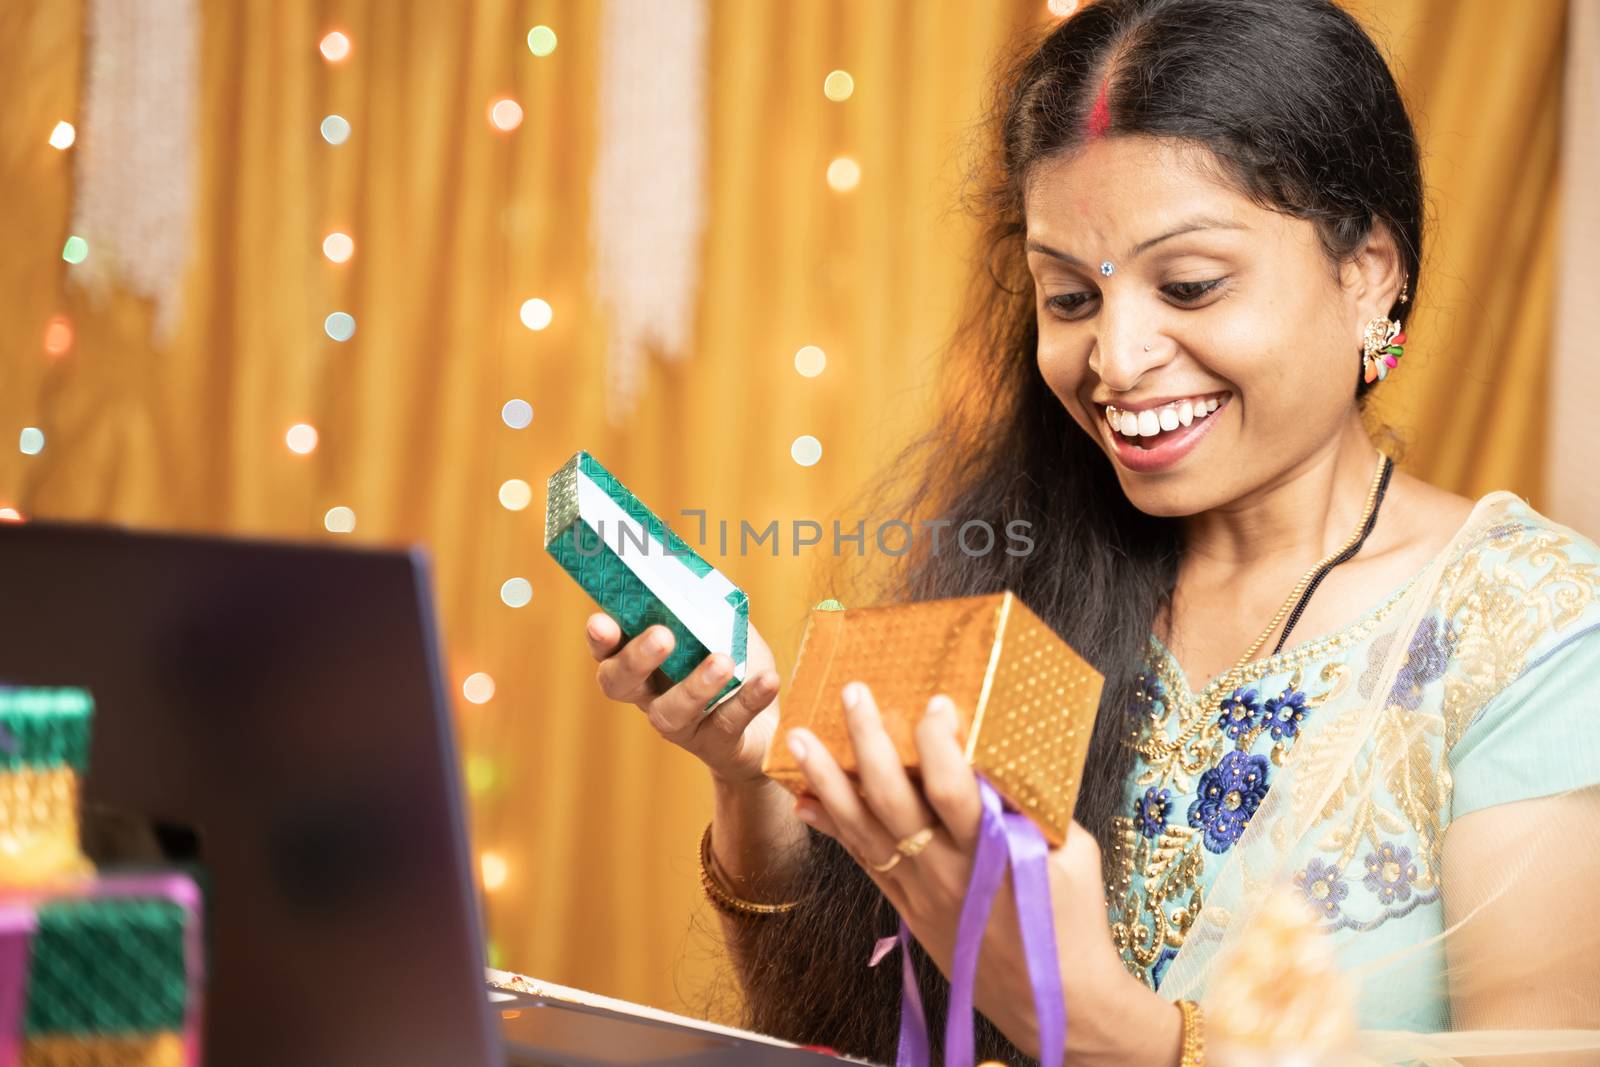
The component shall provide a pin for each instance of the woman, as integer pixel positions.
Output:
(1205, 226)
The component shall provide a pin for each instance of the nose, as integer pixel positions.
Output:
(1126, 348)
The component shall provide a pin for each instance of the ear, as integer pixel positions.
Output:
(1373, 277)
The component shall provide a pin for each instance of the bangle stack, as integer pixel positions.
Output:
(1193, 1053)
(725, 900)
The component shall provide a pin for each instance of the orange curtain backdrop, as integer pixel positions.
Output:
(456, 224)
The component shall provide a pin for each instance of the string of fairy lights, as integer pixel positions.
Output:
(58, 331)
(504, 115)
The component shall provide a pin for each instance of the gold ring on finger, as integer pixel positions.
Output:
(911, 844)
(886, 866)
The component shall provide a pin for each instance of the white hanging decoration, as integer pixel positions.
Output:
(649, 206)
(135, 161)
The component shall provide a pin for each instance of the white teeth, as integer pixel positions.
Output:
(1153, 421)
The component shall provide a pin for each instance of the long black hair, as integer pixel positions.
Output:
(1301, 113)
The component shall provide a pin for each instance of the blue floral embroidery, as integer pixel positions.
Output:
(1426, 661)
(1238, 712)
(1158, 969)
(1151, 811)
(1390, 872)
(1230, 793)
(1323, 885)
(1283, 713)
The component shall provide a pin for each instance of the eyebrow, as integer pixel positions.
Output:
(1142, 247)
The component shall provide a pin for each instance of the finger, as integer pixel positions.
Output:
(603, 635)
(810, 811)
(681, 710)
(859, 830)
(752, 698)
(625, 675)
(884, 782)
(947, 780)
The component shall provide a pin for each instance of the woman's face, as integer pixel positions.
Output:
(1218, 351)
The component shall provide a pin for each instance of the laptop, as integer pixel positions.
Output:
(273, 716)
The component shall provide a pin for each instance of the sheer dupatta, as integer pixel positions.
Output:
(1518, 958)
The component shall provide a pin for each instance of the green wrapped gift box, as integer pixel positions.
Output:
(44, 748)
(115, 960)
(641, 573)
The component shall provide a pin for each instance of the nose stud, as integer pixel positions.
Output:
(1107, 269)
(1147, 348)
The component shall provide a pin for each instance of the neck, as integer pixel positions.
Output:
(1296, 519)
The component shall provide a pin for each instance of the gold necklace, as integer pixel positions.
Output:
(1229, 679)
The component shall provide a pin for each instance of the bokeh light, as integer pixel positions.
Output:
(63, 135)
(339, 520)
(838, 86)
(341, 325)
(515, 494)
(31, 441)
(493, 867)
(338, 247)
(536, 314)
(505, 114)
(517, 414)
(481, 775)
(806, 450)
(478, 688)
(844, 174)
(336, 129)
(335, 47)
(810, 361)
(76, 250)
(301, 438)
(516, 592)
(1061, 8)
(10, 515)
(541, 40)
(58, 335)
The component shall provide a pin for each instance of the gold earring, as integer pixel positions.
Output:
(1383, 344)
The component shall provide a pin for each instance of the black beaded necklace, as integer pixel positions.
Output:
(1343, 557)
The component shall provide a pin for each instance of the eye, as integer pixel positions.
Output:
(1190, 292)
(1070, 305)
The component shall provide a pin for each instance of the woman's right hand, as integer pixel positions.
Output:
(732, 741)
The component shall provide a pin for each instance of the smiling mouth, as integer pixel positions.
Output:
(1151, 427)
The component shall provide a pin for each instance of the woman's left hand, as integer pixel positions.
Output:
(1112, 1014)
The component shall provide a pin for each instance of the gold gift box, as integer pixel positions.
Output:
(1025, 701)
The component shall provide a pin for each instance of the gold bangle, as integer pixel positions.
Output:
(725, 901)
(1194, 1035)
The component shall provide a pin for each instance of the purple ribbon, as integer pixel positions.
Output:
(1005, 838)
(913, 1047)
(17, 925)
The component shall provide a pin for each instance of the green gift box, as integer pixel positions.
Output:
(44, 748)
(42, 729)
(105, 971)
(641, 573)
